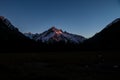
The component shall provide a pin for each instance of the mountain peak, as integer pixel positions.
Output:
(2, 18)
(57, 31)
(53, 27)
(6, 22)
(56, 35)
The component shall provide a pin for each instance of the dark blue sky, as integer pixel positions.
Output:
(83, 17)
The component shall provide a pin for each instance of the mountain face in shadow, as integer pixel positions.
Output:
(11, 39)
(107, 39)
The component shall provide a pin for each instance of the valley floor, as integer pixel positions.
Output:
(60, 66)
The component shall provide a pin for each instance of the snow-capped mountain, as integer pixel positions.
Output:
(56, 35)
(30, 35)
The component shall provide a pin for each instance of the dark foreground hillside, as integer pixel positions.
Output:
(60, 66)
(107, 39)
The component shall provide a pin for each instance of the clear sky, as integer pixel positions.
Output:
(83, 17)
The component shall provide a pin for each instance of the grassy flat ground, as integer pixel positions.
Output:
(60, 66)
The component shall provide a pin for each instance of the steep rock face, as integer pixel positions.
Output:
(6, 22)
(56, 35)
(11, 39)
(8, 31)
(107, 39)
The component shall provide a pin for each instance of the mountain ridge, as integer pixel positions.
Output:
(12, 40)
(57, 39)
(56, 35)
(107, 39)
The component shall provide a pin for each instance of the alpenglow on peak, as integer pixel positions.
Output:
(57, 35)
(56, 31)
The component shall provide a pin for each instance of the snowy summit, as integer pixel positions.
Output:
(56, 35)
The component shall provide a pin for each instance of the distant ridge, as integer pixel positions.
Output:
(53, 39)
(56, 35)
